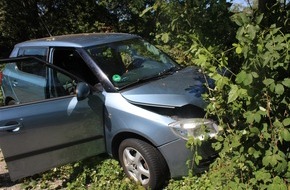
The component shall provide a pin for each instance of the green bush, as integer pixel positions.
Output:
(251, 104)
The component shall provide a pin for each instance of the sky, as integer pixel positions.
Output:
(242, 2)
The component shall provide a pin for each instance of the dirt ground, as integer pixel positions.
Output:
(5, 182)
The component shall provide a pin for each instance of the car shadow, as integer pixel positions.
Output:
(5, 181)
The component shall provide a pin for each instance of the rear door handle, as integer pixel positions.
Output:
(11, 126)
(14, 82)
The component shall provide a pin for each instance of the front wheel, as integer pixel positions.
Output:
(143, 163)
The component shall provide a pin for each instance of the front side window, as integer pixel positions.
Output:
(69, 60)
(131, 61)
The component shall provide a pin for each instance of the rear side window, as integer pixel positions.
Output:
(35, 69)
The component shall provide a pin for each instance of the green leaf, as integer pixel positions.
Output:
(286, 122)
(245, 78)
(286, 82)
(217, 146)
(285, 134)
(252, 32)
(267, 82)
(278, 184)
(255, 75)
(254, 152)
(202, 60)
(238, 20)
(251, 150)
(245, 18)
(248, 80)
(260, 47)
(259, 18)
(281, 166)
(255, 130)
(272, 87)
(235, 142)
(262, 175)
(279, 89)
(233, 94)
(273, 159)
(257, 117)
(257, 154)
(146, 10)
(197, 158)
(249, 116)
(165, 37)
(242, 92)
(239, 50)
(241, 76)
(278, 124)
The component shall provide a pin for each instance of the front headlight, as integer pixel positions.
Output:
(196, 127)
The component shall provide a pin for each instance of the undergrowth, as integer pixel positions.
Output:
(100, 172)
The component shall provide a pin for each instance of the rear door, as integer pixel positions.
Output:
(37, 134)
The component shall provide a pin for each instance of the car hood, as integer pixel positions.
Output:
(176, 90)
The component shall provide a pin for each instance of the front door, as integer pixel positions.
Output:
(39, 134)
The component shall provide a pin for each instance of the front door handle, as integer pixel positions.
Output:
(11, 126)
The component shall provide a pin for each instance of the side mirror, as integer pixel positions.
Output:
(83, 90)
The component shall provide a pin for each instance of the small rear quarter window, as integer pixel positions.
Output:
(33, 51)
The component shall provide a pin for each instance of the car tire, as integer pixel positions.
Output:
(143, 163)
(10, 102)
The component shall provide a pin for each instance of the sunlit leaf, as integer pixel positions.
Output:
(252, 32)
(259, 18)
(241, 76)
(286, 82)
(239, 50)
(248, 80)
(233, 94)
(145, 11)
(286, 122)
(278, 124)
(262, 175)
(165, 37)
(255, 75)
(279, 89)
(267, 82)
(285, 134)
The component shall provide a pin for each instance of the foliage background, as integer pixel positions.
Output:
(245, 50)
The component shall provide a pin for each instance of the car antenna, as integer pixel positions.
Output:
(42, 22)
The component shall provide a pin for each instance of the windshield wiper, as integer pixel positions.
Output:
(169, 71)
(159, 75)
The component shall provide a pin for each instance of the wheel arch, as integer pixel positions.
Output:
(122, 136)
(8, 99)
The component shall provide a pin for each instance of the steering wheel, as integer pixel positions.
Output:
(136, 63)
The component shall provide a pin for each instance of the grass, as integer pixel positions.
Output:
(99, 172)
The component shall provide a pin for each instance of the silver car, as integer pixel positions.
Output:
(70, 97)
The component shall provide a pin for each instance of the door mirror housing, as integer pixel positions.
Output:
(83, 90)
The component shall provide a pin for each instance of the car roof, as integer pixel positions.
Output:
(77, 40)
